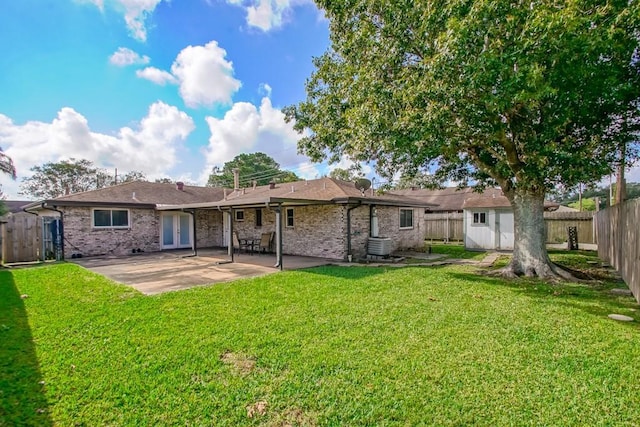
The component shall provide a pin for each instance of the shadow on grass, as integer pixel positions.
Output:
(590, 298)
(22, 400)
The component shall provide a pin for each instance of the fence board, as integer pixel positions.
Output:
(21, 238)
(619, 241)
(444, 226)
(556, 223)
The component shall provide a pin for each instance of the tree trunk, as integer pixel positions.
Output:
(530, 256)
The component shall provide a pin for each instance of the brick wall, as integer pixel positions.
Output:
(144, 232)
(406, 238)
(320, 230)
(80, 237)
(208, 228)
(388, 226)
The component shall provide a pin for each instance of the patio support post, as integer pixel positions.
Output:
(279, 237)
(230, 246)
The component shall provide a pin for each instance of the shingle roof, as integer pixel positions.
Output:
(322, 191)
(14, 206)
(141, 193)
(456, 199)
(449, 198)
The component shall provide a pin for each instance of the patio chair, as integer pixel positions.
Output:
(265, 242)
(241, 244)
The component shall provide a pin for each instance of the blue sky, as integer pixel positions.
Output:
(169, 88)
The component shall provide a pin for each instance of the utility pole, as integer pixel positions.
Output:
(580, 197)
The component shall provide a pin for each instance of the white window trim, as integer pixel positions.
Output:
(400, 218)
(286, 218)
(235, 215)
(480, 224)
(110, 227)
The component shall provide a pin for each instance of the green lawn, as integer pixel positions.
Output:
(326, 346)
(456, 250)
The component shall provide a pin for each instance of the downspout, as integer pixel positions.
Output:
(61, 225)
(230, 248)
(278, 211)
(349, 254)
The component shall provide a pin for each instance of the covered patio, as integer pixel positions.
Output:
(159, 272)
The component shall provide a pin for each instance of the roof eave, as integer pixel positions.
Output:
(79, 203)
(382, 202)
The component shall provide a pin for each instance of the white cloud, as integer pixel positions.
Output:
(267, 14)
(157, 76)
(135, 13)
(265, 90)
(247, 129)
(204, 75)
(124, 56)
(150, 147)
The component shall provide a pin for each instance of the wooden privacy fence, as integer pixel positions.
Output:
(443, 226)
(26, 238)
(619, 241)
(21, 236)
(557, 223)
(449, 226)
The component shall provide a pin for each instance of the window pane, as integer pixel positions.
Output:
(120, 218)
(258, 217)
(289, 217)
(239, 215)
(102, 218)
(480, 218)
(406, 218)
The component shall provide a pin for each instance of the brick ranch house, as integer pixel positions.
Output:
(320, 218)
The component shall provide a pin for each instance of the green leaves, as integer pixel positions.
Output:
(257, 167)
(71, 176)
(517, 92)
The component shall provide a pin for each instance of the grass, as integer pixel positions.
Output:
(325, 346)
(456, 250)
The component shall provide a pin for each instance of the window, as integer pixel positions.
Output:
(111, 218)
(239, 215)
(258, 217)
(406, 218)
(479, 218)
(289, 217)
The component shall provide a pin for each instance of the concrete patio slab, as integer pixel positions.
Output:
(158, 272)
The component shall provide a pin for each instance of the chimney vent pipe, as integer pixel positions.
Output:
(236, 179)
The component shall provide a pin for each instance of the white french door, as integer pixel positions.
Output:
(176, 230)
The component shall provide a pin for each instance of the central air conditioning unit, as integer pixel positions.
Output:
(379, 246)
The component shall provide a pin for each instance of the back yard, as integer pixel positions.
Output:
(324, 346)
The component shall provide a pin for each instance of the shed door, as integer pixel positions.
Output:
(505, 230)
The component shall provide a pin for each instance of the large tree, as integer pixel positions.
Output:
(6, 167)
(56, 179)
(252, 166)
(523, 94)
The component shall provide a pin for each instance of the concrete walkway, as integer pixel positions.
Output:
(158, 272)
